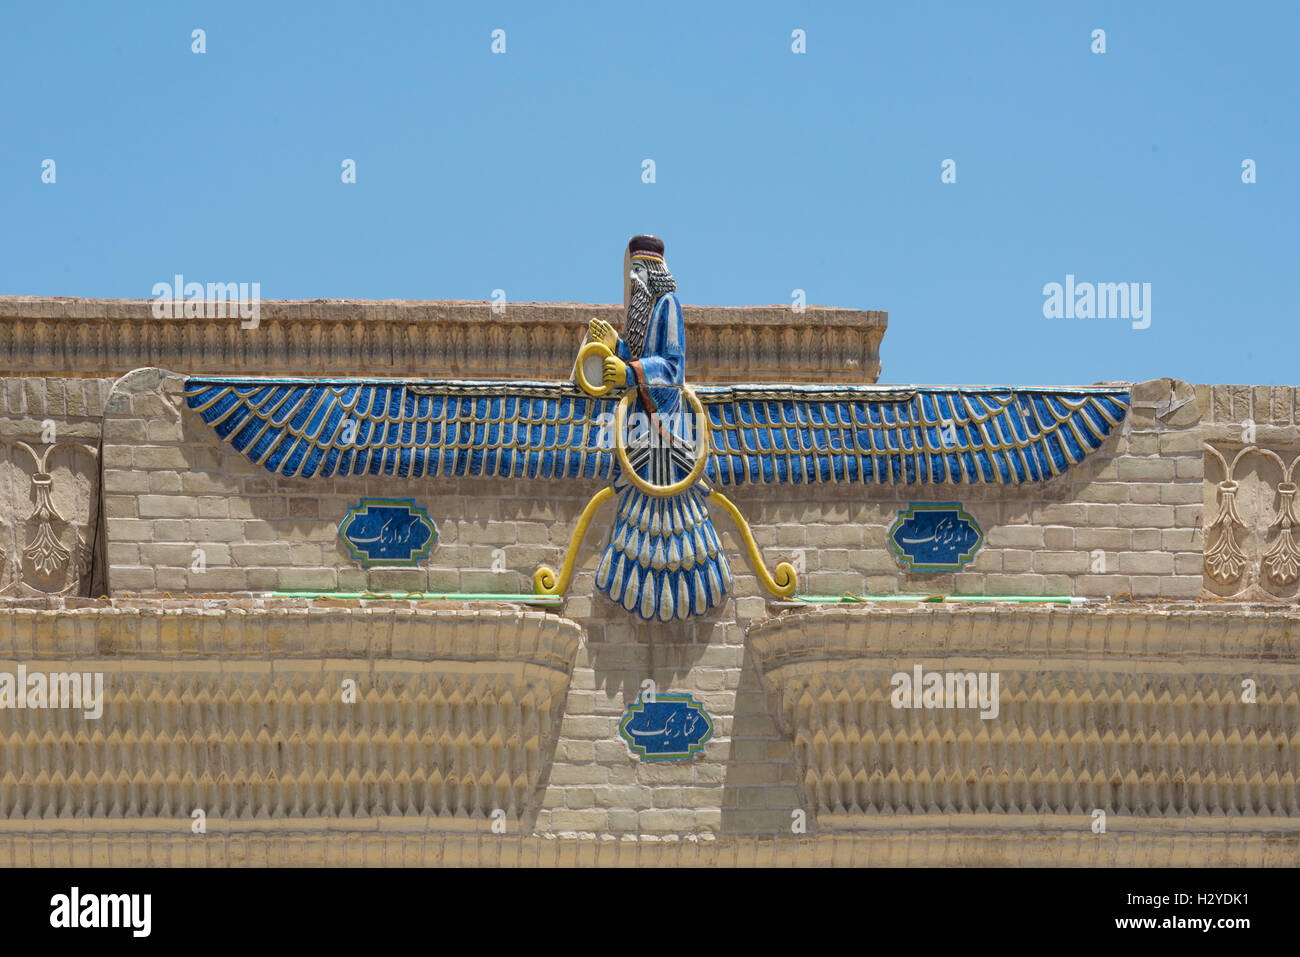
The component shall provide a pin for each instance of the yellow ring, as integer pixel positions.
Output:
(586, 350)
(620, 448)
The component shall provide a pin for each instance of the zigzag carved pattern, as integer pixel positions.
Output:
(1126, 744)
(238, 746)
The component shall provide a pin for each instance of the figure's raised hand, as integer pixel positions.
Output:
(615, 372)
(601, 331)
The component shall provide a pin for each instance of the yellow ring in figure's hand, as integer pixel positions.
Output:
(588, 350)
(620, 447)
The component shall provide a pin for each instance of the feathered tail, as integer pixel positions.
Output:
(664, 560)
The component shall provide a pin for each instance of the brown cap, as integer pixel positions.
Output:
(646, 244)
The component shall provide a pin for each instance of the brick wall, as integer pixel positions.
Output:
(1130, 519)
(1125, 520)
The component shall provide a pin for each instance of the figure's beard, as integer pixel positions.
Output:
(638, 318)
(641, 305)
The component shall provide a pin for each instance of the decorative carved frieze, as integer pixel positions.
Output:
(52, 545)
(441, 713)
(1226, 560)
(97, 337)
(1282, 558)
(416, 743)
(1096, 710)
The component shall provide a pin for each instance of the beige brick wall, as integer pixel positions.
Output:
(1136, 711)
(1130, 519)
(1126, 520)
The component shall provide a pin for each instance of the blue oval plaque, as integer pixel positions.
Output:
(935, 536)
(388, 531)
(672, 727)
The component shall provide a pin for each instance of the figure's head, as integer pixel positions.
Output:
(645, 279)
(644, 267)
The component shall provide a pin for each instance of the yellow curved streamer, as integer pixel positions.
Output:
(782, 583)
(544, 579)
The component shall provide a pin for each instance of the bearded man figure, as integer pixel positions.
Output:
(664, 560)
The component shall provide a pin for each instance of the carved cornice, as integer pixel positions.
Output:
(824, 637)
(144, 628)
(1133, 712)
(377, 842)
(728, 344)
(253, 713)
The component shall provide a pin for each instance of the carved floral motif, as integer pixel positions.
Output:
(45, 553)
(1224, 559)
(1282, 559)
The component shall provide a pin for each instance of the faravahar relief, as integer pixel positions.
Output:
(664, 450)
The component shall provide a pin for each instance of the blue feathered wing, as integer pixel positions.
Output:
(905, 436)
(663, 559)
(301, 428)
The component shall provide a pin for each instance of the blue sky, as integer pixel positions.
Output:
(775, 171)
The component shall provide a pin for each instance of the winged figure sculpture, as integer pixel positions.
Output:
(664, 449)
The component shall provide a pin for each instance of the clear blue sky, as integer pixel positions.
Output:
(775, 171)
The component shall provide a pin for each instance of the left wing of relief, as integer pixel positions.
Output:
(300, 428)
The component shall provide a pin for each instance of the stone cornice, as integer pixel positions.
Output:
(257, 712)
(109, 337)
(231, 629)
(826, 639)
(81, 842)
(1045, 715)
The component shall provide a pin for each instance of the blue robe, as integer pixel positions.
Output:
(663, 560)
